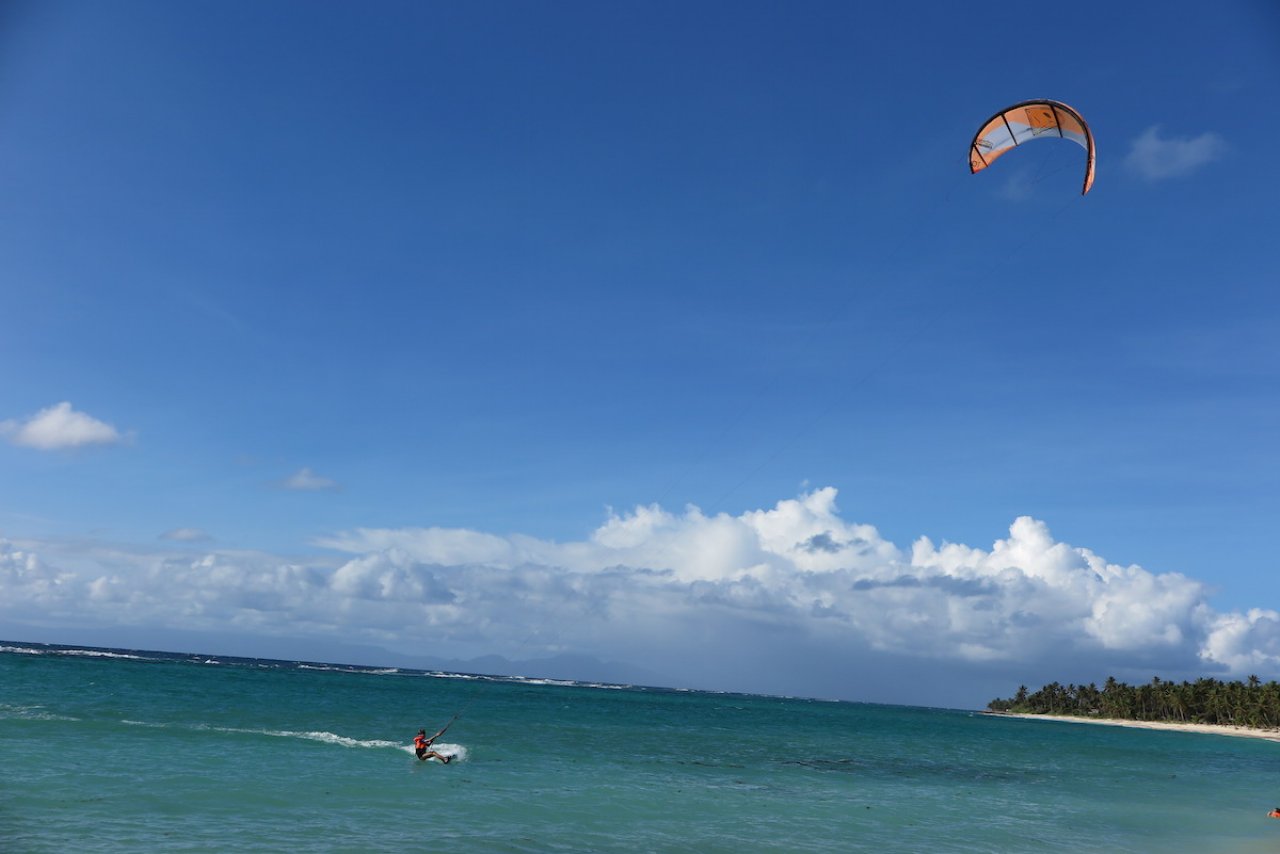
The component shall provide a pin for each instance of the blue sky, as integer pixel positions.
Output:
(487, 303)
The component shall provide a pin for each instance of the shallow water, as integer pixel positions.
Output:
(164, 752)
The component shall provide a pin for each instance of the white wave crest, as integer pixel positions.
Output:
(31, 713)
(22, 650)
(98, 653)
(78, 653)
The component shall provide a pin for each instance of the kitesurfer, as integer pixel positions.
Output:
(422, 746)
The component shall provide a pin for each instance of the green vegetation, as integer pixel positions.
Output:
(1205, 701)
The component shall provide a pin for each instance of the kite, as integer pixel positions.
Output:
(1025, 121)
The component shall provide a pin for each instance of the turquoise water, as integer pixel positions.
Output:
(179, 753)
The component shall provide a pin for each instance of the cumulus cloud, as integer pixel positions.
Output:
(305, 480)
(1248, 642)
(58, 427)
(689, 593)
(1156, 157)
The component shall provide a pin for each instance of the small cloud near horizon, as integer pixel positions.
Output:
(305, 480)
(60, 427)
(1155, 157)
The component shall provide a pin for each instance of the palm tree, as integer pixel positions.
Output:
(1248, 703)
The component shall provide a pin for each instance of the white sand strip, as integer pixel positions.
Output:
(1207, 729)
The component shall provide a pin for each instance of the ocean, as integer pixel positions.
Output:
(121, 750)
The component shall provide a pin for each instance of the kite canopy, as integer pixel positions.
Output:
(1025, 121)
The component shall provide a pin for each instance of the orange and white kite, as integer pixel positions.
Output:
(1025, 121)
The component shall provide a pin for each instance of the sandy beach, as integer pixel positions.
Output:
(1207, 729)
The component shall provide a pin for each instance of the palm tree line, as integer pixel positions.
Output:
(1204, 701)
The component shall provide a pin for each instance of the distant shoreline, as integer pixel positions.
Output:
(1205, 729)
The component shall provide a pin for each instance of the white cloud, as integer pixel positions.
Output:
(1246, 643)
(305, 479)
(58, 427)
(1155, 157)
(685, 593)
